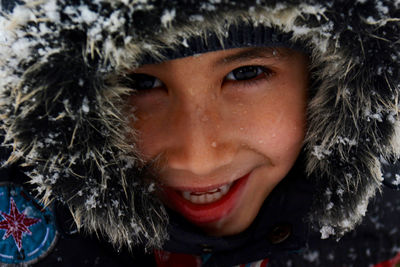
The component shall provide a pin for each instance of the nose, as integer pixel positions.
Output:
(198, 140)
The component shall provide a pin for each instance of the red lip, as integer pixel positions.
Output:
(207, 213)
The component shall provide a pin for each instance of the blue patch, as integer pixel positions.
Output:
(27, 229)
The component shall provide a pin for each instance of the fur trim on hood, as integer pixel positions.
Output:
(62, 106)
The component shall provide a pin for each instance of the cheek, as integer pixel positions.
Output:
(147, 126)
(280, 141)
(276, 129)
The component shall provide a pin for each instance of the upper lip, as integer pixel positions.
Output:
(205, 188)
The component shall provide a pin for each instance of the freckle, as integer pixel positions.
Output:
(214, 144)
(204, 118)
(193, 91)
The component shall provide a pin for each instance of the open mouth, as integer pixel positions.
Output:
(207, 196)
(207, 206)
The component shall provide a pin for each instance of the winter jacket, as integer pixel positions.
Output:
(64, 127)
(375, 240)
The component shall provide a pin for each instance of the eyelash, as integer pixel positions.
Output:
(136, 80)
(263, 70)
(132, 80)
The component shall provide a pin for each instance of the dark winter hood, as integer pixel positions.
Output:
(62, 105)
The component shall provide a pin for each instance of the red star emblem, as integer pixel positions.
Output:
(16, 224)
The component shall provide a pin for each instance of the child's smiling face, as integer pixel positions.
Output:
(229, 126)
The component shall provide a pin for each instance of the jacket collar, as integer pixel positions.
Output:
(280, 226)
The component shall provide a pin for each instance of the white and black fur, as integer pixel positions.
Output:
(62, 102)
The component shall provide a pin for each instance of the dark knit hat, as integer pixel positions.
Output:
(237, 36)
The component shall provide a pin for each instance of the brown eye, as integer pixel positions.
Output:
(141, 82)
(246, 73)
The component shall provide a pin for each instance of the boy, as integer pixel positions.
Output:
(202, 119)
(216, 132)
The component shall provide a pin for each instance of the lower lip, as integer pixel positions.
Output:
(207, 213)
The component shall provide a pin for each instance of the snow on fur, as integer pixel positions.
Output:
(63, 108)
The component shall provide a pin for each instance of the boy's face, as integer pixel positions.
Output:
(229, 125)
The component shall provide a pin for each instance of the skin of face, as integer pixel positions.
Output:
(212, 129)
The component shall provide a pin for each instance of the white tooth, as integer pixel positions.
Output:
(186, 195)
(198, 199)
(194, 199)
(206, 197)
(225, 189)
(217, 196)
(201, 199)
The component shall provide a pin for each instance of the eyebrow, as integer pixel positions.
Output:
(249, 54)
